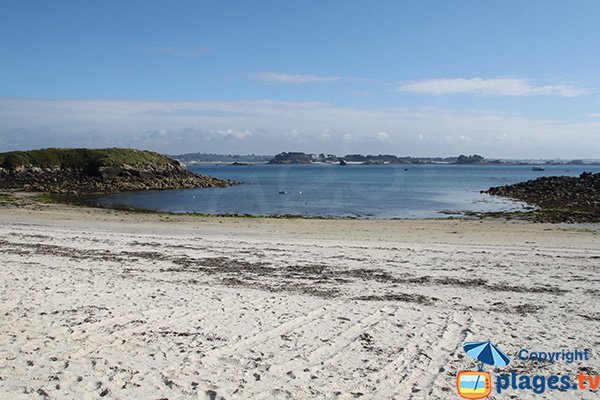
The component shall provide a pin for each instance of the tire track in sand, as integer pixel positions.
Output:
(335, 346)
(241, 346)
(421, 366)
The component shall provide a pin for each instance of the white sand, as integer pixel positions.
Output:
(130, 306)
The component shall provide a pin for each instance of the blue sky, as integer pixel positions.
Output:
(500, 78)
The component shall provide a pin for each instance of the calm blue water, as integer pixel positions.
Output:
(386, 191)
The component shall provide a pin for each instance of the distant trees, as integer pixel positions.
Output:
(575, 162)
(304, 158)
(474, 159)
(207, 157)
(355, 158)
(291, 158)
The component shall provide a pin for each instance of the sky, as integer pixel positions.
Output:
(505, 79)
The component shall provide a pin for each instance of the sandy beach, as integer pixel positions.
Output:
(111, 304)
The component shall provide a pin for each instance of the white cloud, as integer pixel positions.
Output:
(382, 136)
(234, 134)
(268, 127)
(274, 77)
(489, 87)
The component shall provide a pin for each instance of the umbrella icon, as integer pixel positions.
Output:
(486, 353)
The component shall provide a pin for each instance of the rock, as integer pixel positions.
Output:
(561, 198)
(107, 180)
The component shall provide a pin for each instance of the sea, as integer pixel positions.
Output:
(355, 191)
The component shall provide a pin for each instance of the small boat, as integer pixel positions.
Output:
(343, 162)
(282, 192)
(538, 168)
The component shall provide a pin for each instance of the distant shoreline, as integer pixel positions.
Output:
(380, 159)
(500, 164)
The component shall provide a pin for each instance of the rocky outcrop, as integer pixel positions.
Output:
(561, 198)
(106, 179)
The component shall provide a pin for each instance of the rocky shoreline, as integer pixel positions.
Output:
(109, 179)
(560, 198)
